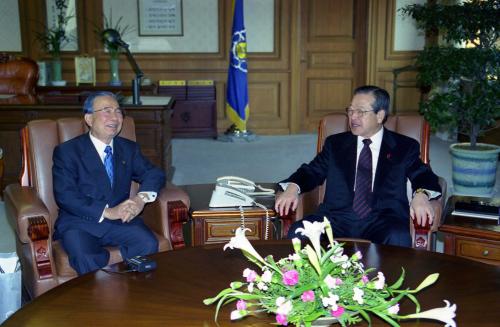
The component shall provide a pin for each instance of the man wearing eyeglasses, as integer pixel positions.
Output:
(92, 176)
(366, 170)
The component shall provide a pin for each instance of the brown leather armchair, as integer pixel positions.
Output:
(18, 76)
(413, 126)
(31, 207)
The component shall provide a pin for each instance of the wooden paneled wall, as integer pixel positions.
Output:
(382, 59)
(323, 50)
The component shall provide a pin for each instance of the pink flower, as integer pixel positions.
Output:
(250, 275)
(365, 279)
(241, 305)
(281, 319)
(307, 296)
(290, 277)
(337, 313)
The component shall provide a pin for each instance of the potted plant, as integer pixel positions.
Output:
(461, 77)
(53, 39)
(113, 49)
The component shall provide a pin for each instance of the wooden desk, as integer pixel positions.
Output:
(217, 225)
(152, 122)
(469, 237)
(172, 294)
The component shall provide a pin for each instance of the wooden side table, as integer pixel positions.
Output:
(473, 238)
(217, 225)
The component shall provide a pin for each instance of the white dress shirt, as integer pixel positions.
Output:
(100, 147)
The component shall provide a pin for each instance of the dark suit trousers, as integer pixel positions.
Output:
(86, 251)
(384, 229)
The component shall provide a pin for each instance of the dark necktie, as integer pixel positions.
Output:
(363, 192)
(108, 163)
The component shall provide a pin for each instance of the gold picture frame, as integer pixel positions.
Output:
(85, 70)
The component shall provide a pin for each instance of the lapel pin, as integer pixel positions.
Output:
(389, 156)
(123, 162)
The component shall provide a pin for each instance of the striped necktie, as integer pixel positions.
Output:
(108, 163)
(363, 192)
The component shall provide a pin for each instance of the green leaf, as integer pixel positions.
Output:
(388, 319)
(218, 296)
(400, 280)
(365, 316)
(414, 300)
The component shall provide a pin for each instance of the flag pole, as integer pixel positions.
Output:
(237, 105)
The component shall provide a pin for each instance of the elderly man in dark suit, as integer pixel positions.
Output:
(366, 170)
(92, 175)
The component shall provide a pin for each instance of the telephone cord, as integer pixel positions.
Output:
(266, 233)
(242, 217)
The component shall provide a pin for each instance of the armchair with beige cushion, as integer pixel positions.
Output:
(18, 78)
(413, 126)
(32, 209)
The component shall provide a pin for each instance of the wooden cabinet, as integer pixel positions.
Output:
(218, 225)
(473, 238)
(194, 118)
(195, 108)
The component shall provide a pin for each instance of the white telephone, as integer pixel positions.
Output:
(232, 191)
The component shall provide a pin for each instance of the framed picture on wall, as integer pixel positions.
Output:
(85, 70)
(160, 17)
(66, 10)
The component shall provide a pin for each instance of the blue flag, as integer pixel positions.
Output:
(237, 83)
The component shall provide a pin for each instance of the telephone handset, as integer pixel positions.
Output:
(244, 185)
(227, 196)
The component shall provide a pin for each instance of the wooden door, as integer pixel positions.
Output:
(333, 38)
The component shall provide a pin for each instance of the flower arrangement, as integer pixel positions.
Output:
(314, 282)
(53, 39)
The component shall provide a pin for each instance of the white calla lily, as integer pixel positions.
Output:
(239, 241)
(429, 280)
(313, 231)
(444, 314)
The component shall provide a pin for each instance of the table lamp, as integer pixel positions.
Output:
(113, 36)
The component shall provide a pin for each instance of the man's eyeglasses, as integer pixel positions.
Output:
(109, 111)
(360, 113)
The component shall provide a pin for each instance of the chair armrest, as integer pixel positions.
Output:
(23, 204)
(159, 215)
(423, 235)
(438, 205)
(28, 213)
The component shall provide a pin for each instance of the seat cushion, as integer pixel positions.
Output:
(65, 271)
